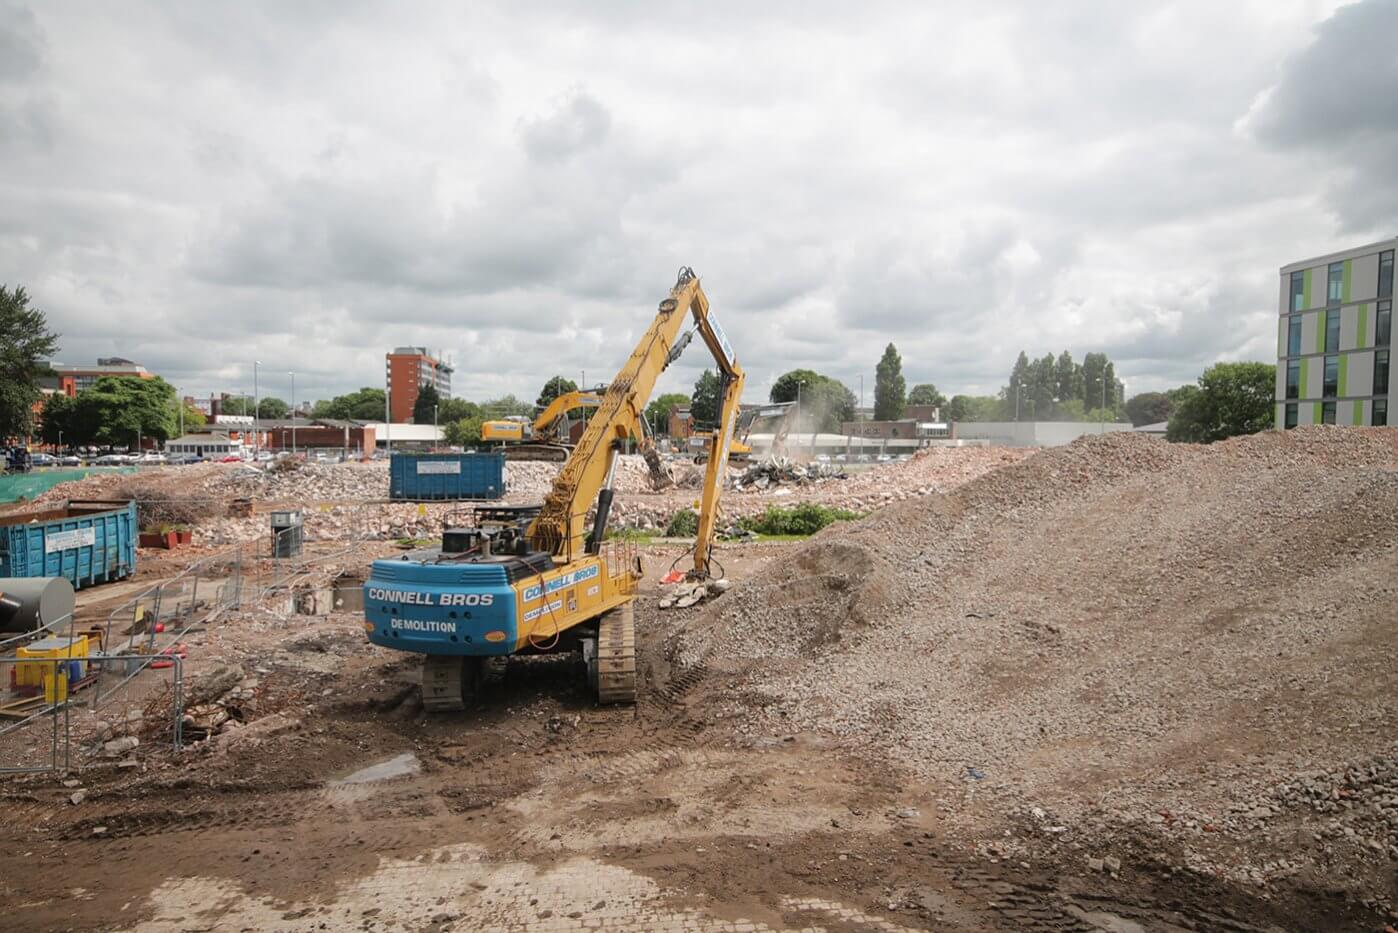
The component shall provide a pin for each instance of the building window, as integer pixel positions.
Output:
(1293, 379)
(1298, 291)
(1293, 336)
(1291, 415)
(1337, 283)
(1383, 325)
(1380, 412)
(1327, 413)
(1380, 372)
(1386, 274)
(1332, 332)
(1332, 377)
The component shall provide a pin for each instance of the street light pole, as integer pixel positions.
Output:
(799, 384)
(434, 426)
(293, 416)
(256, 408)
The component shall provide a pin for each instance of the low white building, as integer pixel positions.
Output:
(205, 445)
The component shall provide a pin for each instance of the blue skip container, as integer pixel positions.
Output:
(87, 542)
(446, 476)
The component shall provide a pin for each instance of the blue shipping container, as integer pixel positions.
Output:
(446, 476)
(87, 542)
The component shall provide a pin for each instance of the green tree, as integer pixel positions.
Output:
(976, 408)
(1067, 377)
(121, 409)
(1149, 408)
(1043, 388)
(270, 408)
(553, 389)
(706, 400)
(658, 411)
(366, 404)
(425, 408)
(25, 342)
(890, 390)
(457, 409)
(504, 406)
(56, 420)
(464, 432)
(1232, 399)
(824, 400)
(1017, 391)
(1094, 367)
(925, 393)
(1113, 387)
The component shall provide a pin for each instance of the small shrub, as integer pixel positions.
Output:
(683, 524)
(804, 519)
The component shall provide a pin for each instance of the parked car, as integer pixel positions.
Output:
(822, 458)
(231, 458)
(43, 460)
(840, 458)
(70, 460)
(111, 460)
(885, 458)
(862, 458)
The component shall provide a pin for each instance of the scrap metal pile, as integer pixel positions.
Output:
(776, 471)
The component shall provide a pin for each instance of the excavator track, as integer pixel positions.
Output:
(616, 656)
(448, 681)
(549, 453)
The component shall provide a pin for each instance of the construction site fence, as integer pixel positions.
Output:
(36, 730)
(146, 633)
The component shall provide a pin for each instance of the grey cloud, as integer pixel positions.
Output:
(21, 44)
(1340, 88)
(310, 185)
(578, 122)
(1337, 101)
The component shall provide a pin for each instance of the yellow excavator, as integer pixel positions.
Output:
(544, 438)
(521, 580)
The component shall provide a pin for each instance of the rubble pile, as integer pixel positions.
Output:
(778, 470)
(347, 500)
(1169, 628)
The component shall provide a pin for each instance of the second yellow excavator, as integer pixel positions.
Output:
(544, 438)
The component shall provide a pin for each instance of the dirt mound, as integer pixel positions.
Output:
(1169, 628)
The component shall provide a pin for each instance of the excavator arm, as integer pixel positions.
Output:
(589, 474)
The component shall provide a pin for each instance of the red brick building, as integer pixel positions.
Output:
(407, 370)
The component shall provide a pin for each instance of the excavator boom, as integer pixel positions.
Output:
(560, 526)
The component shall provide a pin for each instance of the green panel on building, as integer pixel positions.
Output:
(1306, 289)
(1305, 365)
(1358, 412)
(1361, 333)
(1315, 414)
(1349, 273)
(1344, 374)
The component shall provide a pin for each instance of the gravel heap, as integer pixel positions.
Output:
(1166, 628)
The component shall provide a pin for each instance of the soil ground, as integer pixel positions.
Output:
(538, 811)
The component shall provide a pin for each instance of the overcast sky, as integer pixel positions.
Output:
(198, 185)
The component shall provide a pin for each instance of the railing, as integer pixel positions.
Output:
(139, 635)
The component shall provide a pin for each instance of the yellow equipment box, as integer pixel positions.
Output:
(70, 665)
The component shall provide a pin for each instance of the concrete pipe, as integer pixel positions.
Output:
(29, 603)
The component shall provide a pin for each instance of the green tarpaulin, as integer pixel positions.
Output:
(28, 486)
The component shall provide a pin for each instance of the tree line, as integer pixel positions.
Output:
(1228, 399)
